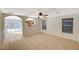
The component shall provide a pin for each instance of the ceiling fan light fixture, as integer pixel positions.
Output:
(41, 15)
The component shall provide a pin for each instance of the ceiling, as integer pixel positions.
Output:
(33, 12)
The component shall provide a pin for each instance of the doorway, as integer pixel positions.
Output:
(13, 29)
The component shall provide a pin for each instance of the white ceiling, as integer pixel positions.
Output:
(33, 12)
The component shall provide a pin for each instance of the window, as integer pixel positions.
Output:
(44, 27)
(67, 25)
(13, 23)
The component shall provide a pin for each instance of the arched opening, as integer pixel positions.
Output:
(13, 28)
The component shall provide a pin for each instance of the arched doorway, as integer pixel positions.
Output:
(13, 29)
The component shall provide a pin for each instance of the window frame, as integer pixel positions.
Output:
(68, 25)
(44, 24)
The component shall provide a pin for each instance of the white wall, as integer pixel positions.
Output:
(54, 27)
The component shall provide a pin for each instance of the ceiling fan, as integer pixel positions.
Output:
(42, 15)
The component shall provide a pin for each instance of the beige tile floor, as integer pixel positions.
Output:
(41, 41)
